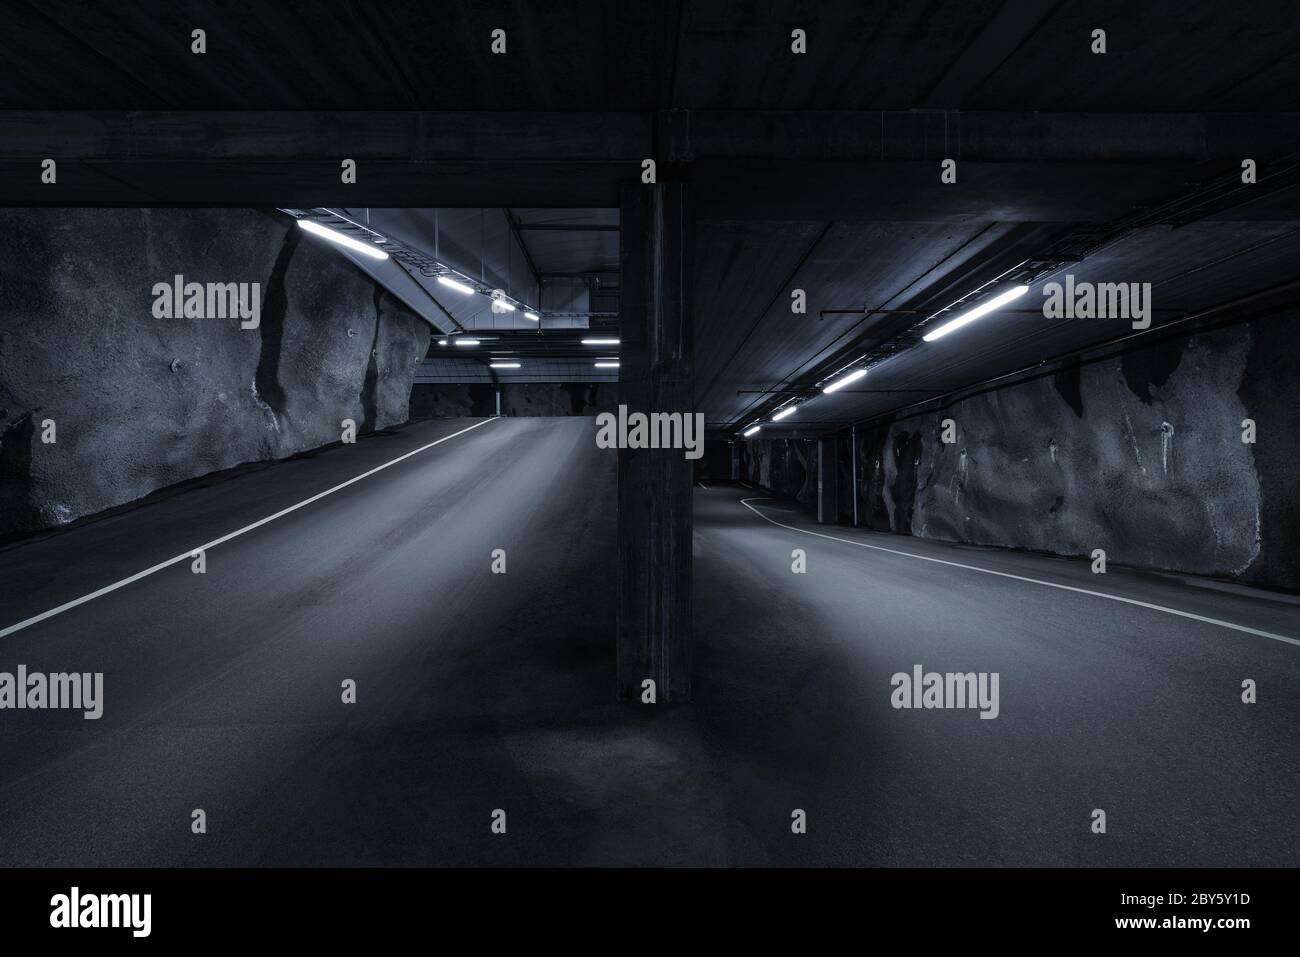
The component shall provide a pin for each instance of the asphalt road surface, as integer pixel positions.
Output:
(478, 691)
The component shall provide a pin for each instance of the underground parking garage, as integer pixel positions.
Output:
(681, 436)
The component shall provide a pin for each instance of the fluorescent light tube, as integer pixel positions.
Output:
(503, 365)
(751, 430)
(844, 380)
(607, 365)
(788, 410)
(533, 316)
(347, 242)
(600, 342)
(983, 309)
(458, 286)
(465, 342)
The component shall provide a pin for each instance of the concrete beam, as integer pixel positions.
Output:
(984, 137)
(654, 485)
(683, 137)
(744, 164)
(513, 226)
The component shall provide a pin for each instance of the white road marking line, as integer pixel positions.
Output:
(988, 571)
(225, 538)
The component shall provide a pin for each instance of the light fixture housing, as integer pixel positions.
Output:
(752, 429)
(347, 242)
(983, 309)
(533, 316)
(788, 411)
(607, 364)
(844, 380)
(503, 365)
(600, 342)
(466, 342)
(458, 286)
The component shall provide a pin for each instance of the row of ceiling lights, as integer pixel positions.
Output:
(853, 375)
(599, 364)
(374, 252)
(462, 341)
(784, 411)
(604, 363)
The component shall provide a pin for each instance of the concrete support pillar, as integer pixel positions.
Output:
(827, 478)
(654, 485)
(853, 472)
(735, 461)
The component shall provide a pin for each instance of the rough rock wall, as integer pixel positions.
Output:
(1271, 393)
(450, 400)
(140, 402)
(1139, 455)
(784, 466)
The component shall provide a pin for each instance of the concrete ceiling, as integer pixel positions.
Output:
(549, 263)
(694, 54)
(560, 265)
(845, 205)
(1191, 268)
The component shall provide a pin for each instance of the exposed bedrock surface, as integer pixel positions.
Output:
(1141, 455)
(140, 402)
(785, 466)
